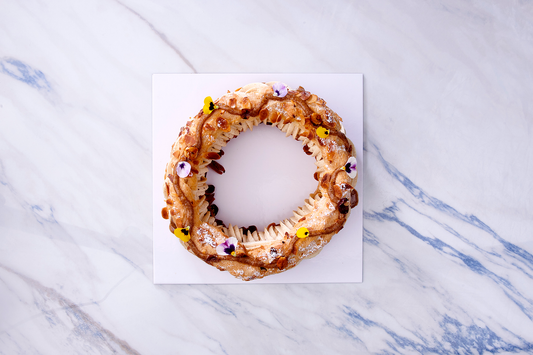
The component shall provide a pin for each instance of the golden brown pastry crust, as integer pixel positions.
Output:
(277, 248)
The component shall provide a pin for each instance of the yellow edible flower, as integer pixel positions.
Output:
(209, 105)
(183, 234)
(322, 132)
(302, 232)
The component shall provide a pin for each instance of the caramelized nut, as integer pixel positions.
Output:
(316, 119)
(189, 139)
(354, 198)
(191, 152)
(263, 114)
(282, 263)
(217, 168)
(246, 104)
(164, 213)
(304, 95)
(343, 206)
(212, 156)
(213, 209)
(312, 99)
(275, 117)
(223, 124)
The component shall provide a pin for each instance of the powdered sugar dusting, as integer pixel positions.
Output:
(207, 237)
(312, 248)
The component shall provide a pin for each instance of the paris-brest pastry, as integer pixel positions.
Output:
(246, 252)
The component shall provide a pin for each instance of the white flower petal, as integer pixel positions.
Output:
(280, 89)
(183, 169)
(353, 167)
(220, 249)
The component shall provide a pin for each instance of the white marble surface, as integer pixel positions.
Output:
(448, 264)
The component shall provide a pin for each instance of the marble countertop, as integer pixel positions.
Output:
(448, 247)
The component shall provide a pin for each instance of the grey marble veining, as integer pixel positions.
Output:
(448, 247)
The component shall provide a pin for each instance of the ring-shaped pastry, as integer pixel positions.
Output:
(246, 252)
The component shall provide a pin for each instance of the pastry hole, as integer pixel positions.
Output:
(267, 178)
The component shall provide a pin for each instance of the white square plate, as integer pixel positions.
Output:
(282, 175)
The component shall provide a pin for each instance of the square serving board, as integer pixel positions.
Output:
(267, 176)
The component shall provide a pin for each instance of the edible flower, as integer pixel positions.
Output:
(280, 89)
(228, 247)
(351, 167)
(322, 132)
(209, 105)
(183, 169)
(183, 233)
(302, 232)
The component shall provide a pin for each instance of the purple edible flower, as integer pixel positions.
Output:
(280, 89)
(183, 169)
(351, 167)
(228, 247)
